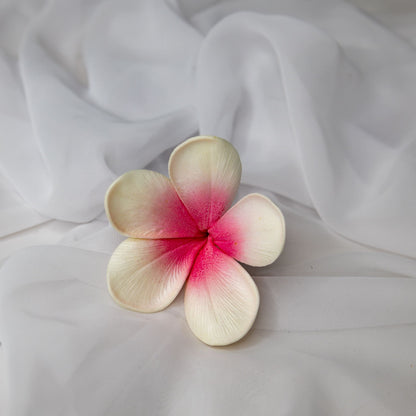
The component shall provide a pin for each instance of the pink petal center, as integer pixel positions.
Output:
(179, 221)
(207, 208)
(206, 205)
(228, 236)
(209, 256)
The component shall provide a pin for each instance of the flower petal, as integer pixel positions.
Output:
(147, 275)
(221, 299)
(144, 204)
(206, 172)
(252, 231)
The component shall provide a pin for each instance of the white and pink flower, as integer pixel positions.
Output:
(180, 231)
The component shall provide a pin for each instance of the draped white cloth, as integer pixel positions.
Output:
(319, 100)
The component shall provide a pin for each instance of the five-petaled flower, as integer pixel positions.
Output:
(180, 230)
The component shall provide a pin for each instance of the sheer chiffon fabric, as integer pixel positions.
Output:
(319, 101)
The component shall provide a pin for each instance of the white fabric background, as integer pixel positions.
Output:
(318, 98)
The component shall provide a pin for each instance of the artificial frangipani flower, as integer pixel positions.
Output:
(180, 231)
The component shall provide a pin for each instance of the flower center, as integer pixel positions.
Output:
(205, 233)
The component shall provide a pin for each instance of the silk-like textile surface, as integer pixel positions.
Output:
(318, 98)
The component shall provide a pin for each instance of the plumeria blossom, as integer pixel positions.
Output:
(181, 230)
